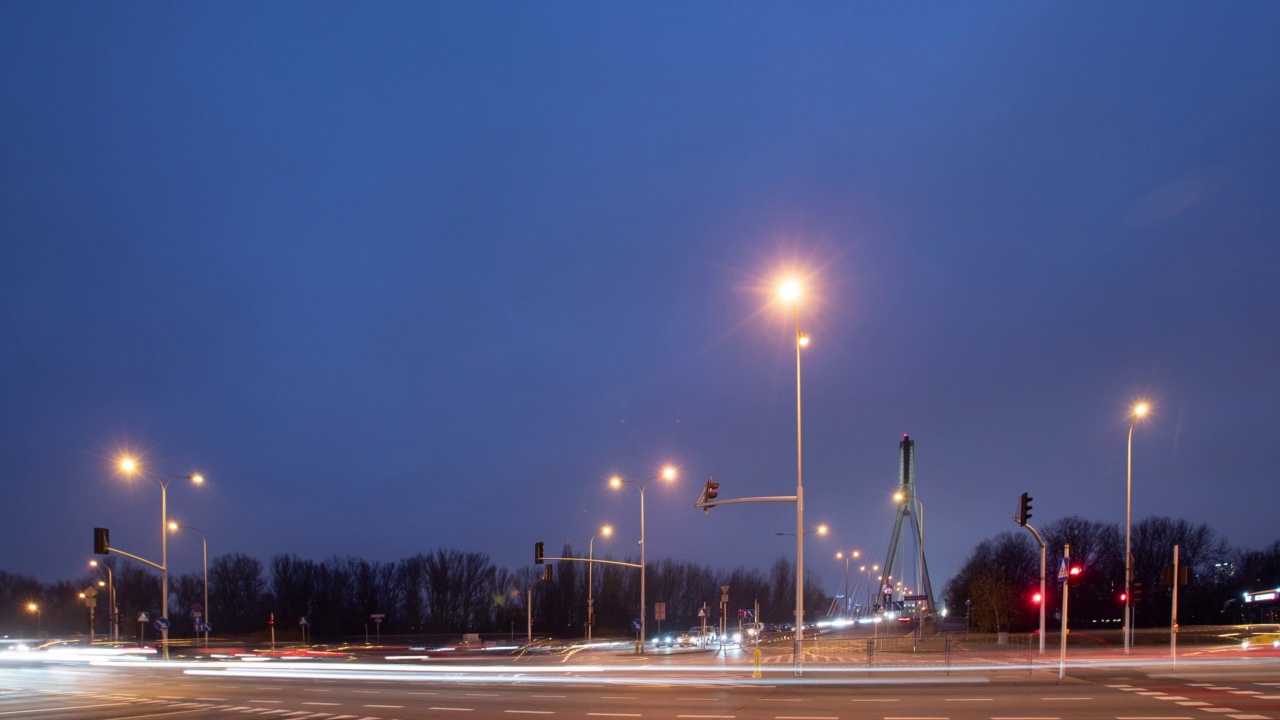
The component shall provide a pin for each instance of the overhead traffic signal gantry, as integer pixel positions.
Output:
(537, 553)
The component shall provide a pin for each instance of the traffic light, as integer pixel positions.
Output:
(1123, 597)
(1135, 593)
(101, 541)
(1024, 509)
(1036, 599)
(537, 553)
(547, 573)
(709, 493)
(1074, 576)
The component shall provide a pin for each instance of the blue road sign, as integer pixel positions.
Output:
(162, 624)
(1064, 570)
(204, 627)
(635, 624)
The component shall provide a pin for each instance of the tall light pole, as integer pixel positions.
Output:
(847, 557)
(1139, 411)
(874, 568)
(591, 557)
(204, 551)
(616, 482)
(789, 291)
(111, 599)
(130, 466)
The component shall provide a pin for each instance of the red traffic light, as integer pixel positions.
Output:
(1075, 571)
(1123, 597)
(1037, 598)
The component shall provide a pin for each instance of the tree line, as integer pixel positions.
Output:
(1002, 573)
(443, 591)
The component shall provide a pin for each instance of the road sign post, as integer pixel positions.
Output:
(1064, 577)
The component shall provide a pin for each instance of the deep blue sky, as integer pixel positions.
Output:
(406, 276)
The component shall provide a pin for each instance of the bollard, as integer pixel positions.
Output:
(756, 673)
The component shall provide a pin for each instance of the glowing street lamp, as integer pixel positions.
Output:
(668, 473)
(1139, 411)
(131, 466)
(591, 556)
(204, 551)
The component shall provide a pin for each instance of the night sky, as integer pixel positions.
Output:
(397, 277)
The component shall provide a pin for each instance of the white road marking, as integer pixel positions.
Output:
(60, 709)
(1171, 697)
(1260, 697)
(781, 700)
(321, 703)
(1151, 693)
(454, 709)
(315, 690)
(1193, 703)
(1067, 698)
(267, 701)
(213, 699)
(397, 707)
(160, 714)
(530, 712)
(1219, 710)
(367, 692)
(547, 696)
(1249, 717)
(421, 693)
(1233, 692)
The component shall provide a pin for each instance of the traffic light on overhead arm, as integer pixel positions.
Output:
(1024, 509)
(548, 573)
(537, 553)
(101, 541)
(709, 492)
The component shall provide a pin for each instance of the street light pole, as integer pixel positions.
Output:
(847, 557)
(668, 473)
(790, 292)
(129, 466)
(591, 564)
(111, 598)
(1139, 410)
(204, 551)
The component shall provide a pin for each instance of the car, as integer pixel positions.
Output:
(696, 636)
(1271, 639)
(665, 640)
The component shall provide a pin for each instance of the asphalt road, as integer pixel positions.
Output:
(1248, 690)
